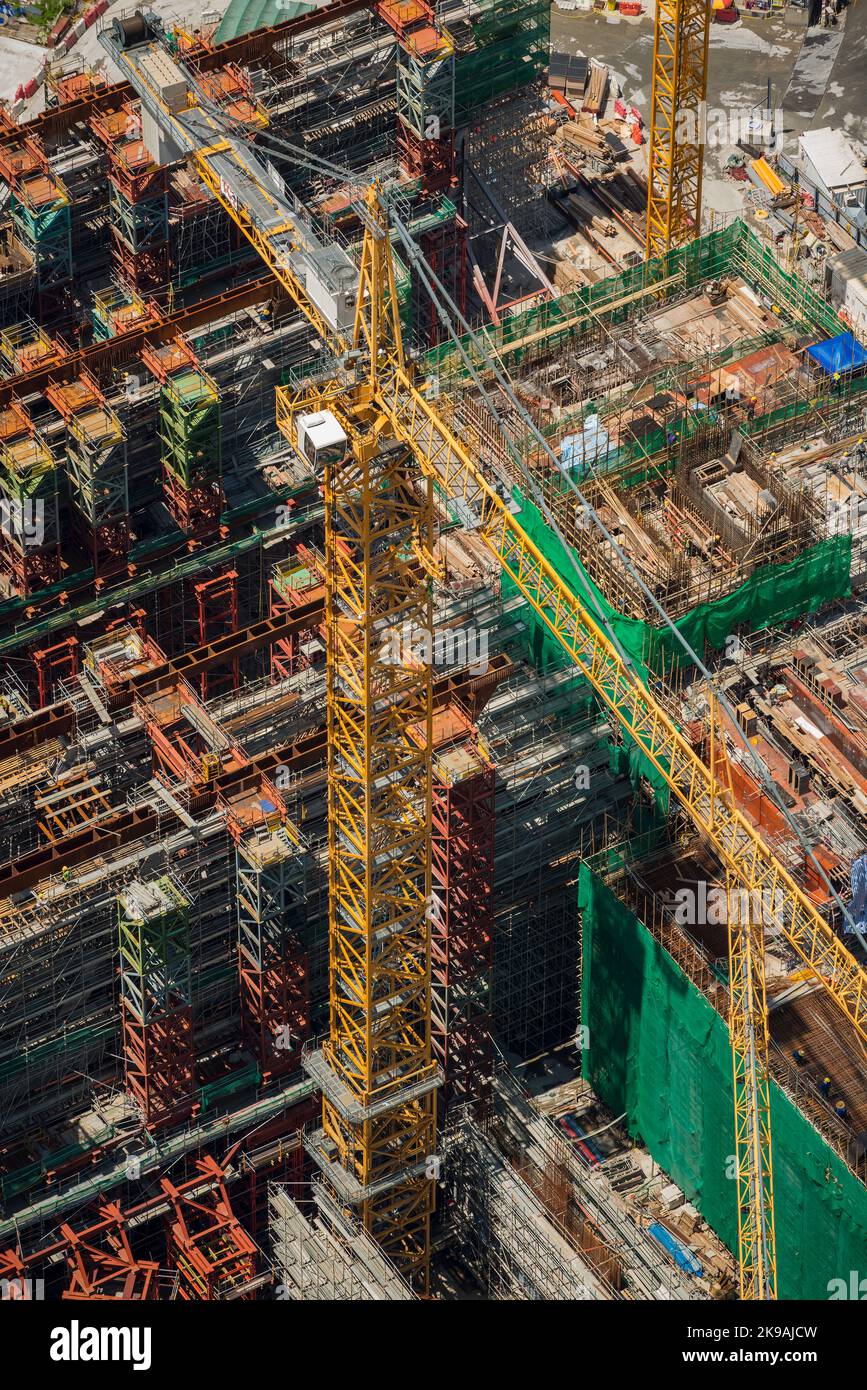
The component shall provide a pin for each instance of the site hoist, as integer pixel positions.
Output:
(383, 445)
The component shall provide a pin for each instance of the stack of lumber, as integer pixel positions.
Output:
(581, 139)
(597, 90)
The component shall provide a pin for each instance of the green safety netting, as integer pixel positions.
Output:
(511, 48)
(658, 1052)
(773, 594)
(734, 249)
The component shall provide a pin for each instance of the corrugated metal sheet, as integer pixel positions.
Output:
(242, 16)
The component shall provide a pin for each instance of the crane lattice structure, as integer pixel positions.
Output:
(677, 117)
(377, 428)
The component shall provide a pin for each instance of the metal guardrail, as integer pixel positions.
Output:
(823, 205)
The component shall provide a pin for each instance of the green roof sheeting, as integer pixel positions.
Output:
(242, 16)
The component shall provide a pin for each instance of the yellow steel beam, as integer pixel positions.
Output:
(379, 1118)
(261, 241)
(741, 850)
(748, 1033)
(379, 789)
(677, 109)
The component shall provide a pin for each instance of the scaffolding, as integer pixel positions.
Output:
(327, 1256)
(272, 960)
(462, 919)
(41, 219)
(97, 471)
(204, 242)
(156, 1007)
(506, 150)
(293, 583)
(29, 512)
(24, 347)
(425, 94)
(191, 435)
(501, 45)
(588, 312)
(17, 278)
(138, 200)
(118, 310)
(514, 1245)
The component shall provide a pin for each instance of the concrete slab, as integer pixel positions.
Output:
(18, 63)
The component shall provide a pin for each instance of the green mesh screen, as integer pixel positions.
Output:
(773, 594)
(659, 1053)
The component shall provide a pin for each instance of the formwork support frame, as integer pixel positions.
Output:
(272, 960)
(156, 1000)
(462, 862)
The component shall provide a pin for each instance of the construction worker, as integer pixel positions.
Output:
(825, 1086)
(840, 1109)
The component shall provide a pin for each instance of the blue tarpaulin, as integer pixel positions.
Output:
(858, 882)
(682, 1257)
(841, 354)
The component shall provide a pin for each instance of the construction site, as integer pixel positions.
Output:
(433, 678)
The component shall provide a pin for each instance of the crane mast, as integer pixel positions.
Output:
(681, 36)
(375, 1071)
(370, 427)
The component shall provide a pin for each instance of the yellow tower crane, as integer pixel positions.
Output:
(369, 425)
(681, 36)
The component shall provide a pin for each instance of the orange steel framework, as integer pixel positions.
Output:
(677, 106)
(207, 1245)
(102, 1264)
(215, 615)
(52, 665)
